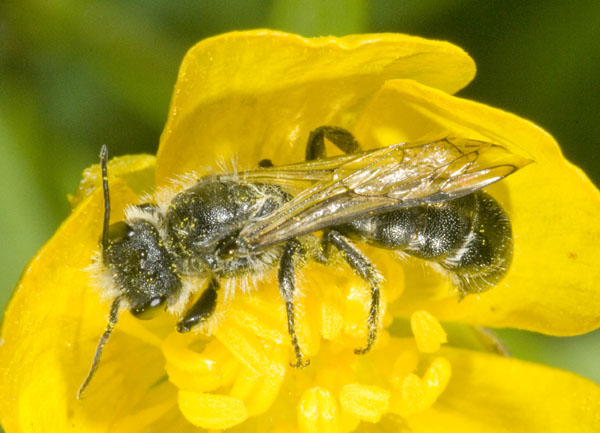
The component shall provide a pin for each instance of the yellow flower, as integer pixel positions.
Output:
(255, 95)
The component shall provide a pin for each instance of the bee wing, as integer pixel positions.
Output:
(338, 189)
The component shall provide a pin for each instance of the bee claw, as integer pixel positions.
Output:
(363, 350)
(300, 363)
(182, 328)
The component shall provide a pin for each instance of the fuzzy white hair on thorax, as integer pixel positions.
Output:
(136, 213)
(230, 167)
(164, 195)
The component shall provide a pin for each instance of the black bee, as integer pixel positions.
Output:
(422, 199)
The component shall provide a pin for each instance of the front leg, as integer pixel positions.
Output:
(202, 309)
(364, 269)
(286, 279)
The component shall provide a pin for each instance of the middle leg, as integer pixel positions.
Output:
(286, 279)
(361, 265)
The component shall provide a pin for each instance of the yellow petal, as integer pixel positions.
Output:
(155, 409)
(493, 394)
(136, 170)
(257, 94)
(552, 285)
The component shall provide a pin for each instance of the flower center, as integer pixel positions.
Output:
(243, 373)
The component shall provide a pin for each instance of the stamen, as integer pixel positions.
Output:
(318, 412)
(212, 411)
(436, 377)
(428, 332)
(332, 321)
(410, 397)
(257, 391)
(243, 373)
(367, 402)
(416, 394)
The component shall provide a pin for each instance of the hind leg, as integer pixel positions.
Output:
(342, 138)
(315, 149)
(362, 266)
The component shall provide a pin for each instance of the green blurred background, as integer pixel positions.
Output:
(75, 74)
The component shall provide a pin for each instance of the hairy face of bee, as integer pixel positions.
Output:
(141, 266)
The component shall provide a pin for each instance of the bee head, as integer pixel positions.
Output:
(141, 265)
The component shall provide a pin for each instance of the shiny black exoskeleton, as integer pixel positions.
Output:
(469, 236)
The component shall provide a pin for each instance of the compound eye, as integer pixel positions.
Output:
(150, 309)
(118, 232)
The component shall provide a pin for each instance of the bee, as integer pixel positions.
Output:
(422, 199)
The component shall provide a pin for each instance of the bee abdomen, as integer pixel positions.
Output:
(470, 237)
(486, 253)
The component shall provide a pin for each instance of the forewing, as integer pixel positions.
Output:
(339, 189)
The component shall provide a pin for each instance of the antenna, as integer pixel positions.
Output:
(112, 321)
(114, 310)
(104, 168)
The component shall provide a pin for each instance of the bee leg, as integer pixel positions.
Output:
(343, 139)
(202, 309)
(361, 265)
(286, 277)
(112, 321)
(323, 254)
